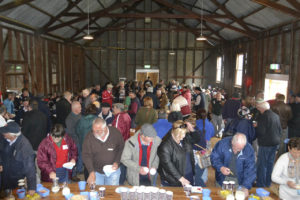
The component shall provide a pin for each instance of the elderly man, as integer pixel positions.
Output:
(71, 122)
(234, 159)
(17, 158)
(162, 125)
(140, 156)
(102, 146)
(106, 114)
(268, 133)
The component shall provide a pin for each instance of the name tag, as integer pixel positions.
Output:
(110, 149)
(65, 147)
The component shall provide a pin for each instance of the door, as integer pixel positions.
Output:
(276, 83)
(143, 74)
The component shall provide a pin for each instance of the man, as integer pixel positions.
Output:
(22, 110)
(133, 108)
(215, 110)
(148, 82)
(34, 126)
(140, 152)
(85, 99)
(294, 123)
(199, 100)
(234, 159)
(106, 114)
(231, 107)
(71, 122)
(162, 125)
(284, 112)
(102, 146)
(268, 133)
(17, 158)
(9, 103)
(121, 120)
(107, 95)
(184, 106)
(63, 108)
(186, 93)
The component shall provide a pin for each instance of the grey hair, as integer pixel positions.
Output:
(2, 109)
(264, 105)
(99, 120)
(15, 134)
(239, 138)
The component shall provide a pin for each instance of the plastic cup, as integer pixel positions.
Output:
(206, 192)
(169, 195)
(154, 194)
(139, 195)
(162, 194)
(68, 197)
(124, 195)
(298, 191)
(82, 185)
(131, 193)
(93, 195)
(21, 193)
(102, 192)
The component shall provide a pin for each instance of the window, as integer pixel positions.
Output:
(239, 70)
(14, 76)
(219, 69)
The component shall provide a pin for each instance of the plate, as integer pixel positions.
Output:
(69, 165)
(107, 169)
(196, 189)
(121, 189)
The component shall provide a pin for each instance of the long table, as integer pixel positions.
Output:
(112, 195)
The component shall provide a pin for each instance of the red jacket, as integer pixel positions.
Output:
(46, 156)
(188, 96)
(107, 97)
(122, 122)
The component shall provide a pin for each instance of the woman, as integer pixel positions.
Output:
(177, 163)
(55, 150)
(208, 131)
(146, 114)
(107, 95)
(285, 171)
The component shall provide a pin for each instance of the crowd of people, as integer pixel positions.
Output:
(143, 131)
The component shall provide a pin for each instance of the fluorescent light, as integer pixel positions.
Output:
(88, 37)
(201, 38)
(172, 53)
(147, 66)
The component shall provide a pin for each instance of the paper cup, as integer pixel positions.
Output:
(21, 193)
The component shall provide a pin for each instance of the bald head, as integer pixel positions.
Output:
(76, 107)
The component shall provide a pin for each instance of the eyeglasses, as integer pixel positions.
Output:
(182, 126)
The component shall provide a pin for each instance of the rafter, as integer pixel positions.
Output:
(294, 3)
(13, 4)
(185, 10)
(96, 14)
(54, 19)
(279, 7)
(227, 12)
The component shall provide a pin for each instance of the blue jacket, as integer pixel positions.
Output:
(18, 163)
(162, 126)
(209, 128)
(10, 108)
(242, 126)
(245, 164)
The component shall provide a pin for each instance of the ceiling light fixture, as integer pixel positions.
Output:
(88, 36)
(201, 37)
(172, 52)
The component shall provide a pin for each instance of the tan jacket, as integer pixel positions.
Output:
(284, 111)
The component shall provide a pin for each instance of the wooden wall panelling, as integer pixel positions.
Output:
(126, 61)
(194, 61)
(275, 49)
(31, 67)
(2, 67)
(293, 70)
(108, 63)
(203, 66)
(255, 65)
(38, 63)
(176, 54)
(68, 66)
(44, 68)
(185, 55)
(297, 89)
(159, 51)
(261, 67)
(24, 51)
(18, 45)
(10, 45)
(282, 48)
(135, 57)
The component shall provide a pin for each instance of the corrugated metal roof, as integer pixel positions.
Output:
(241, 8)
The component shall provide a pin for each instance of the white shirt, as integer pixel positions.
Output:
(280, 176)
(2, 121)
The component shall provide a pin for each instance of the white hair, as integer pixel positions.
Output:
(239, 138)
(263, 105)
(175, 107)
(100, 121)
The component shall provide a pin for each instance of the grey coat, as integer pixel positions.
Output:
(130, 158)
(71, 122)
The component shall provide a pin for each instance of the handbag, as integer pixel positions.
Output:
(203, 157)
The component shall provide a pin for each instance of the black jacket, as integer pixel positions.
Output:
(172, 157)
(268, 129)
(63, 109)
(18, 162)
(34, 127)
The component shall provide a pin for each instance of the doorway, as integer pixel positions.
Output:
(142, 74)
(276, 83)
